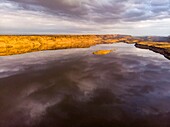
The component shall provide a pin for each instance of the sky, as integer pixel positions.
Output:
(132, 17)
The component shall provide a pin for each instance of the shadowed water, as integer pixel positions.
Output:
(74, 88)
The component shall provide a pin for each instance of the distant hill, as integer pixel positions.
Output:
(156, 38)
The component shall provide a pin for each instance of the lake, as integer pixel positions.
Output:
(129, 87)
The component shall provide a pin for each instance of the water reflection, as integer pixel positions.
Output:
(75, 88)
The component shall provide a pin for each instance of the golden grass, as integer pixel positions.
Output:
(163, 45)
(11, 45)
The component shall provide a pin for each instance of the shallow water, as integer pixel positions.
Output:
(73, 87)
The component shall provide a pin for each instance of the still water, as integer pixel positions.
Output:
(129, 87)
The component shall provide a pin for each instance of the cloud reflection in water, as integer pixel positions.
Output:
(124, 88)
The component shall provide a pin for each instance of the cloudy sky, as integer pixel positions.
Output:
(135, 17)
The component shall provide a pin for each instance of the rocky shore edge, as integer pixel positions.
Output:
(155, 49)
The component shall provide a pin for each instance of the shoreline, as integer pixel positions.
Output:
(163, 51)
(20, 44)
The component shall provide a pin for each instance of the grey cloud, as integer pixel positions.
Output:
(63, 8)
(160, 9)
(108, 11)
(159, 2)
(134, 13)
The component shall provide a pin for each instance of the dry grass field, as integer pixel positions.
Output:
(11, 45)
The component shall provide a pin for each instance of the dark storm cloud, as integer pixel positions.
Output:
(85, 16)
(104, 11)
(74, 9)
(98, 11)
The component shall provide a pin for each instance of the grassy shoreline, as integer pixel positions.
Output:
(19, 44)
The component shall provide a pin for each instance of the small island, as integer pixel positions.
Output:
(102, 52)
